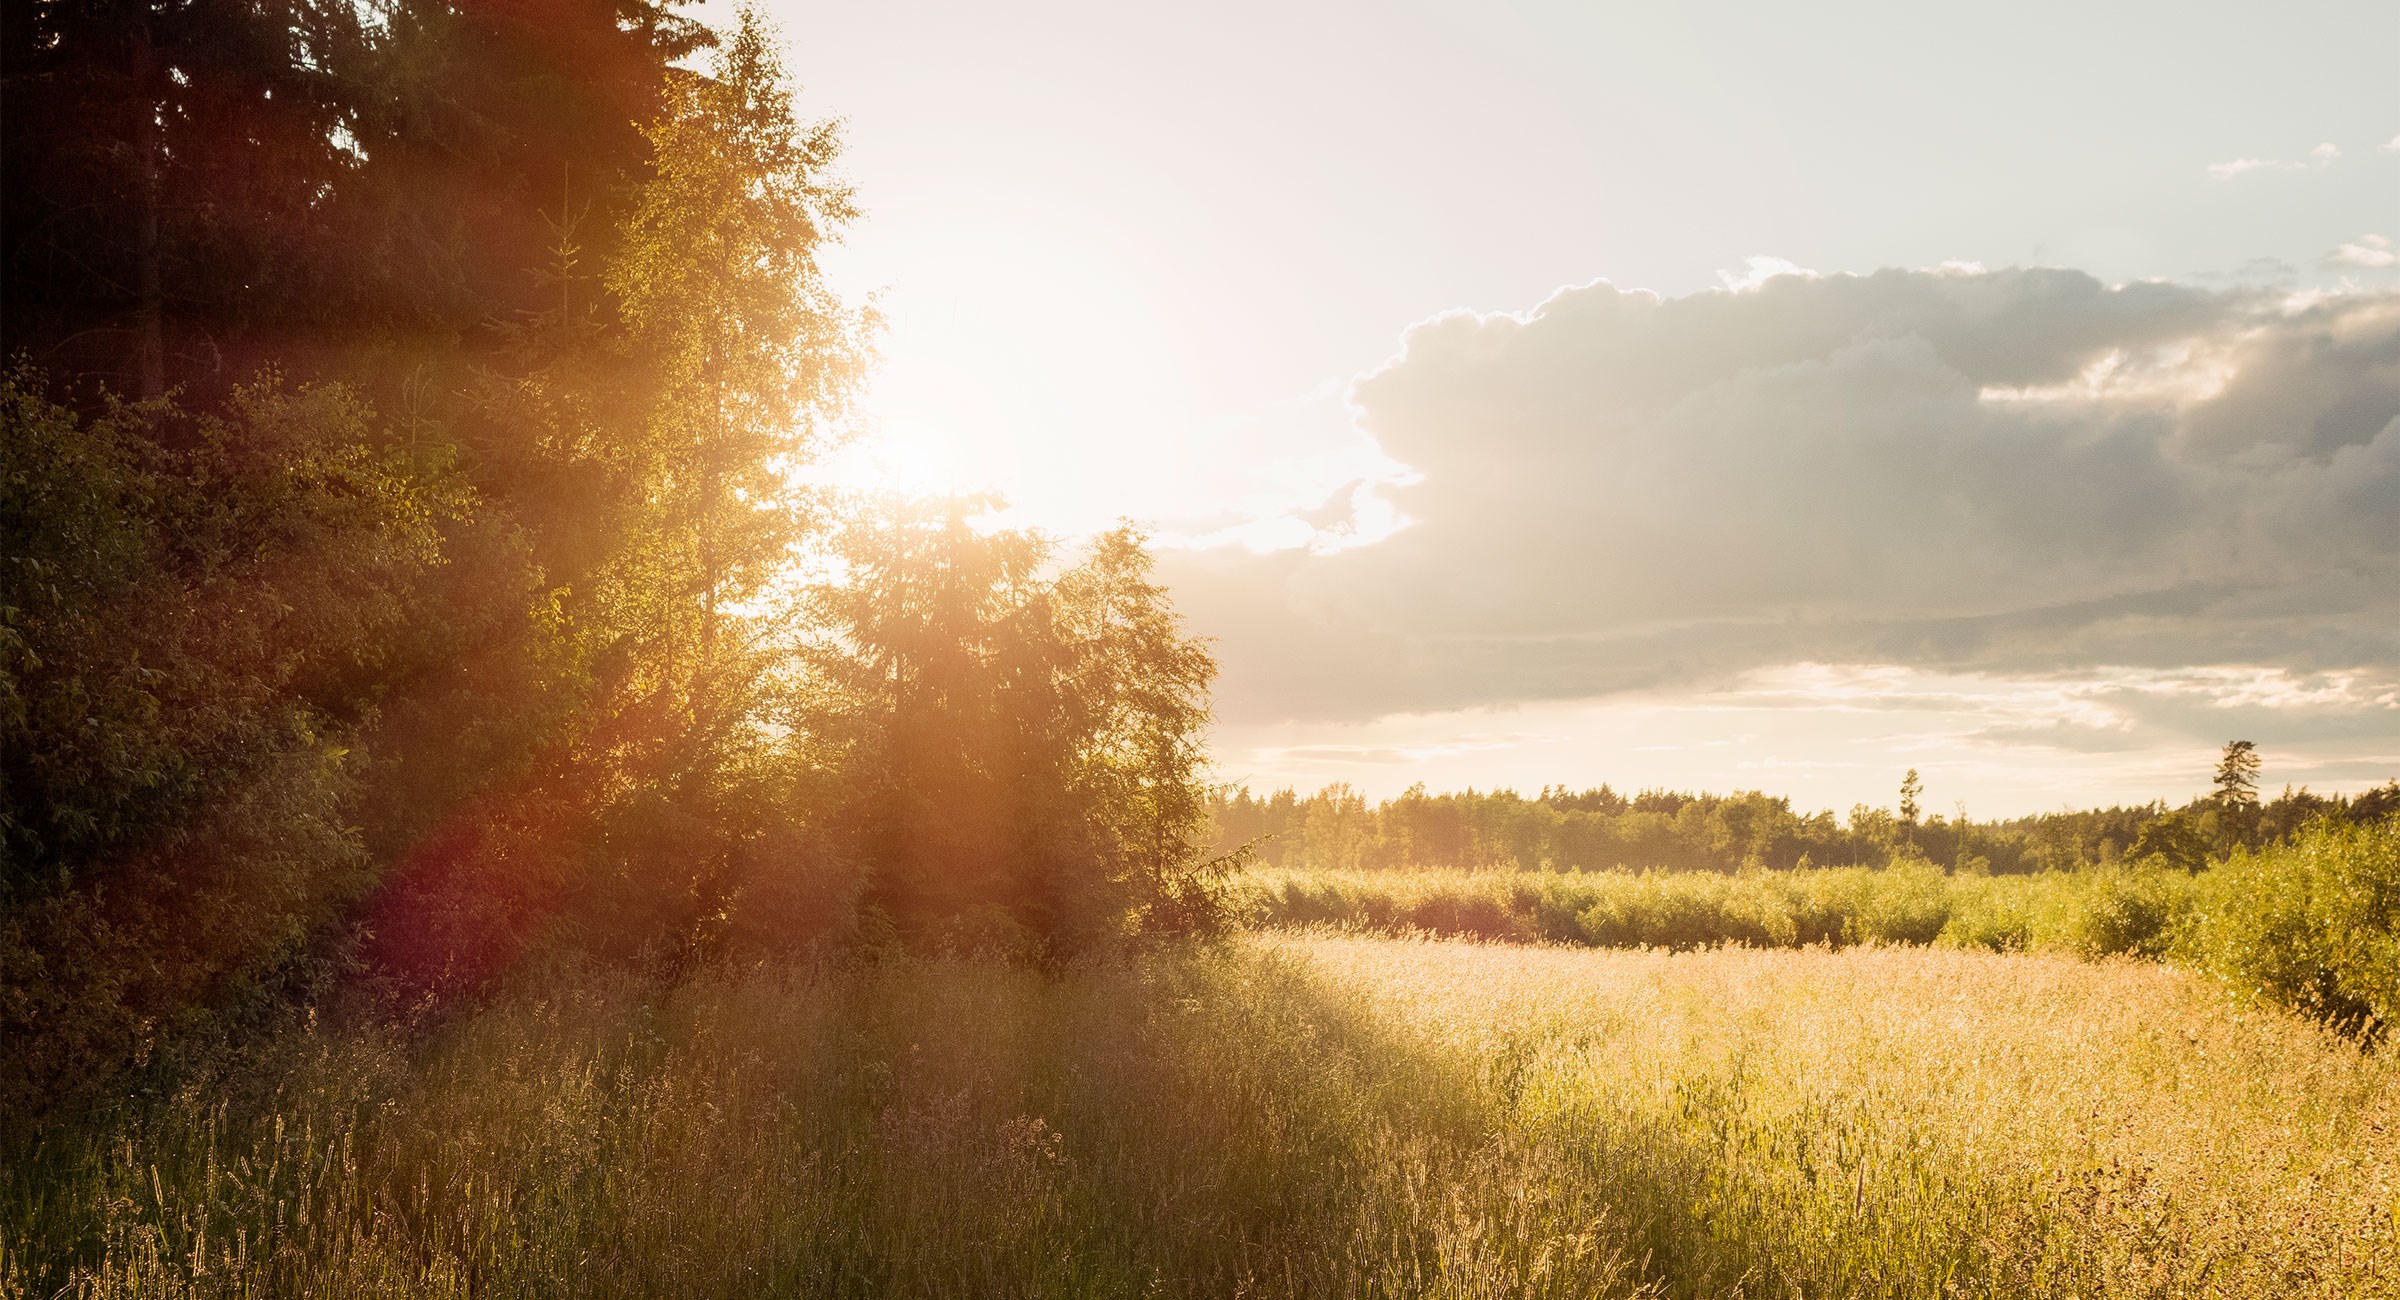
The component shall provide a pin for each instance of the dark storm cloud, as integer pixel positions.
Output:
(2015, 470)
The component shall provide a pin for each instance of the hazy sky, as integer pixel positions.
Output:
(1448, 344)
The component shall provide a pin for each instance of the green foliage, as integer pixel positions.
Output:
(2098, 912)
(2313, 925)
(534, 663)
(1023, 752)
(196, 613)
(2237, 775)
(2129, 910)
(1600, 829)
(2173, 841)
(718, 287)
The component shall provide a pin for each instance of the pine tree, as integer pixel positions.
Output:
(2237, 776)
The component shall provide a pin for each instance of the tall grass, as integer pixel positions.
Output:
(1287, 1117)
(1921, 1122)
(1204, 1125)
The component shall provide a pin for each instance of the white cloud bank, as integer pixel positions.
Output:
(2016, 471)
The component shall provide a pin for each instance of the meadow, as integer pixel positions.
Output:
(492, 805)
(2311, 925)
(1282, 1115)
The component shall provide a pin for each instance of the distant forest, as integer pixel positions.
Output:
(1600, 829)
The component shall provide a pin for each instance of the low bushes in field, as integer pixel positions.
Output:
(2313, 924)
(2098, 912)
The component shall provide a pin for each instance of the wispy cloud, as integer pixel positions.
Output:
(2226, 171)
(2369, 252)
(2321, 156)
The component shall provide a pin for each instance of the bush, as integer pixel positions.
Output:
(1994, 912)
(2127, 910)
(2313, 925)
(195, 616)
(1909, 902)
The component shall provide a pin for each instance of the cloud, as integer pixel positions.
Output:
(2323, 155)
(2258, 270)
(1759, 269)
(2012, 471)
(2226, 171)
(1831, 735)
(2370, 252)
(2392, 145)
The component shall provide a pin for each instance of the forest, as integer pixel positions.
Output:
(408, 565)
(479, 817)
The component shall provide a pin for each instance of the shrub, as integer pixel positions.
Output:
(1908, 903)
(1993, 912)
(195, 616)
(2313, 925)
(2127, 910)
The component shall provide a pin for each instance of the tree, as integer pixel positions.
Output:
(947, 697)
(2234, 815)
(1024, 753)
(2171, 839)
(1910, 788)
(718, 283)
(1140, 687)
(170, 166)
(2237, 776)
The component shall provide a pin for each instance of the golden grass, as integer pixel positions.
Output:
(1905, 1122)
(1295, 1116)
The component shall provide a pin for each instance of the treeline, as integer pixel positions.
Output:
(1600, 829)
(403, 569)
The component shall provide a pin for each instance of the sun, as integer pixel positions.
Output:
(926, 428)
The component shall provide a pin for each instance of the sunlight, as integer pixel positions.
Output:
(1086, 374)
(928, 429)
(702, 649)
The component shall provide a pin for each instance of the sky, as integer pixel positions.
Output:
(1711, 396)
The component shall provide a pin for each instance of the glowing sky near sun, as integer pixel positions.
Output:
(1138, 259)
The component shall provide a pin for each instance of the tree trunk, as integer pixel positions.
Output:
(149, 345)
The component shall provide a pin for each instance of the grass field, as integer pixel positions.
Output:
(1302, 1115)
